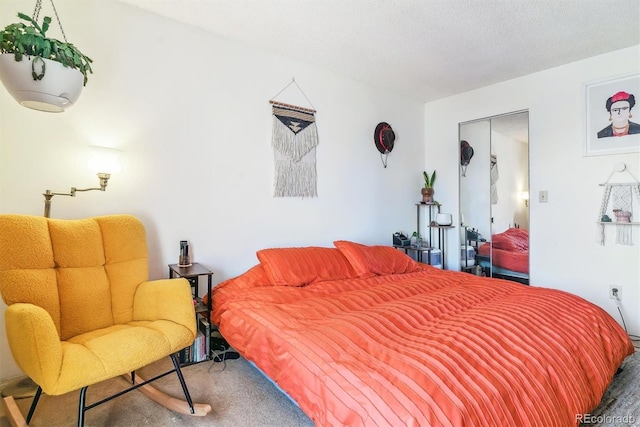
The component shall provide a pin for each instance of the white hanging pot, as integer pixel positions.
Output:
(57, 88)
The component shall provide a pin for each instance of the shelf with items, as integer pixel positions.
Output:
(200, 350)
(434, 245)
(431, 257)
(617, 223)
(618, 197)
(434, 229)
(472, 241)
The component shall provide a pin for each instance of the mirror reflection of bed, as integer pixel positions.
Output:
(494, 196)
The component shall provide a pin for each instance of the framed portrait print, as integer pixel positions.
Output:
(612, 119)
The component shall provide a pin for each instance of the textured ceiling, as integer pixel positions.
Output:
(425, 49)
(514, 125)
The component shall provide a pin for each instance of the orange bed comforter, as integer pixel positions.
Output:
(426, 348)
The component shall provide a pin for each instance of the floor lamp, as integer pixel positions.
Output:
(104, 161)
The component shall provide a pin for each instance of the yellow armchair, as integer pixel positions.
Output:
(81, 308)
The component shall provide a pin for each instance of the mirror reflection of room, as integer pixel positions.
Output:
(494, 196)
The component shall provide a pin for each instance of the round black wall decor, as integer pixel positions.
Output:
(384, 137)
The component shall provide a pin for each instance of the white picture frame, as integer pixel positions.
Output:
(597, 117)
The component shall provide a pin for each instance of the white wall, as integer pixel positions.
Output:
(564, 254)
(191, 112)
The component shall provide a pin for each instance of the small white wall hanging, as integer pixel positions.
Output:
(294, 139)
(620, 197)
(494, 179)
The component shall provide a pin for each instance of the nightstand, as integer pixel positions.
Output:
(192, 273)
(203, 312)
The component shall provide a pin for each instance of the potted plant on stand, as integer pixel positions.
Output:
(42, 73)
(427, 190)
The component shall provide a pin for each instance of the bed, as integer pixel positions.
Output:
(507, 255)
(363, 335)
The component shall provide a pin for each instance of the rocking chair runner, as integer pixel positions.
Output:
(82, 310)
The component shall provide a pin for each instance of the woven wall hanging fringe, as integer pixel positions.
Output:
(294, 139)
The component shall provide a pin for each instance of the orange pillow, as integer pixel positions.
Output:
(369, 261)
(302, 266)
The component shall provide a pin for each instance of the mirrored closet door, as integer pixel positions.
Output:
(494, 196)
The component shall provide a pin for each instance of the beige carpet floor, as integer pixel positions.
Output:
(242, 396)
(238, 394)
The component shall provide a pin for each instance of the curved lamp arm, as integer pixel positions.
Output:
(48, 194)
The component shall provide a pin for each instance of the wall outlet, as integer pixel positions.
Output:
(615, 292)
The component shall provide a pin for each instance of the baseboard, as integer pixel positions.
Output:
(6, 381)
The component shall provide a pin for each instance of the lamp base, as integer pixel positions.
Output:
(20, 388)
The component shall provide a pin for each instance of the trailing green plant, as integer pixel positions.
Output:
(428, 181)
(21, 40)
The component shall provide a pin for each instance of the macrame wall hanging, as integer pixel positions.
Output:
(294, 140)
(619, 197)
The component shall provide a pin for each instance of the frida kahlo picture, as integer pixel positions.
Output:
(612, 118)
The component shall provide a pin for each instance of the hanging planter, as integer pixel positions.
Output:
(41, 73)
(58, 89)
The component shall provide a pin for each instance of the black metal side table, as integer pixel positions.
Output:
(192, 273)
